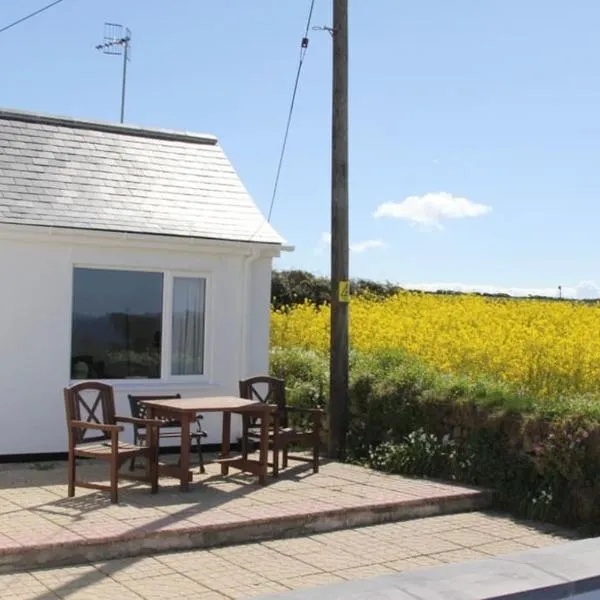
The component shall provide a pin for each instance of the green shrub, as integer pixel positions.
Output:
(542, 459)
(306, 375)
(421, 453)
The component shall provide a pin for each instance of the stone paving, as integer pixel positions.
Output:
(275, 566)
(39, 525)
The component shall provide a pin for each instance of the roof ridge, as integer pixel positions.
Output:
(91, 125)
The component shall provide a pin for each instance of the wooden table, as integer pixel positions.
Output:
(185, 410)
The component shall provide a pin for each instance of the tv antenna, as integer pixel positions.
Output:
(117, 41)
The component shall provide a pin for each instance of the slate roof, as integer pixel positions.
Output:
(60, 172)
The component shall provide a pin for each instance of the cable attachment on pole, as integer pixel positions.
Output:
(331, 30)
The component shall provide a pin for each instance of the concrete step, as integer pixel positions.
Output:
(41, 527)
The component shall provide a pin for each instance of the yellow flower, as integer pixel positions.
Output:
(542, 346)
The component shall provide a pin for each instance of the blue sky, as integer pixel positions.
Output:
(486, 112)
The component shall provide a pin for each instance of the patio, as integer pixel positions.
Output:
(42, 527)
(269, 567)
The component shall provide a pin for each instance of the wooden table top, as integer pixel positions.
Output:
(208, 404)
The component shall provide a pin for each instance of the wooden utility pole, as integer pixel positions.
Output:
(338, 399)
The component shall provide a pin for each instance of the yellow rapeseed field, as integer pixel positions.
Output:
(542, 347)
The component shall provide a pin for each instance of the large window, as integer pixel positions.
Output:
(120, 328)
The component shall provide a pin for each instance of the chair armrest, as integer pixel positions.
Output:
(308, 411)
(97, 426)
(140, 422)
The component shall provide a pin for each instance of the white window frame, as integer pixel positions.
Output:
(167, 327)
(167, 334)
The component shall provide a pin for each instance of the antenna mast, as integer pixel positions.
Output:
(117, 41)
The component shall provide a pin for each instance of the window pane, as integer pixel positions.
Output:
(117, 324)
(187, 353)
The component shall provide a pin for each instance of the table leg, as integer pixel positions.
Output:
(151, 437)
(184, 458)
(225, 441)
(263, 457)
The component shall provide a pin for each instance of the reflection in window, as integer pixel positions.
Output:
(187, 346)
(117, 324)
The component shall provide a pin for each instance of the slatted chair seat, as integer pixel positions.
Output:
(281, 434)
(254, 432)
(95, 448)
(170, 428)
(163, 434)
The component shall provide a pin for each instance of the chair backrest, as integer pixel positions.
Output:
(91, 402)
(139, 410)
(266, 389)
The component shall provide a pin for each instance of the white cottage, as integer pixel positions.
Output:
(131, 255)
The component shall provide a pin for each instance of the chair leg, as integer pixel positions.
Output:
(153, 458)
(71, 475)
(180, 451)
(275, 461)
(154, 479)
(316, 442)
(245, 437)
(284, 462)
(135, 441)
(200, 456)
(114, 481)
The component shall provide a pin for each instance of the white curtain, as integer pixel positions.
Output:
(189, 299)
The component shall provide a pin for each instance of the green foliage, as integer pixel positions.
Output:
(295, 287)
(421, 453)
(542, 461)
(306, 375)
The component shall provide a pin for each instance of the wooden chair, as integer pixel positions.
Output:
(97, 415)
(169, 429)
(282, 435)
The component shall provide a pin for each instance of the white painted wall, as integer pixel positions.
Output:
(35, 324)
(259, 309)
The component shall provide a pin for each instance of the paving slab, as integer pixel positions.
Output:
(568, 570)
(282, 565)
(39, 525)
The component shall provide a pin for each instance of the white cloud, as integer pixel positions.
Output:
(366, 245)
(357, 247)
(581, 291)
(587, 290)
(430, 209)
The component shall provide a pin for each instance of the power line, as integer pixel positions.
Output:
(29, 16)
(303, 48)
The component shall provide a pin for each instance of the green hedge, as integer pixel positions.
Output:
(296, 287)
(543, 459)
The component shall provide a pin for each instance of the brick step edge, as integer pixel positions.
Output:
(246, 531)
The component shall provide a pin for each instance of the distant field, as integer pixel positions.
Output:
(544, 348)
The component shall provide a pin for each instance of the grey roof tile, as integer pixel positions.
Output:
(61, 172)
